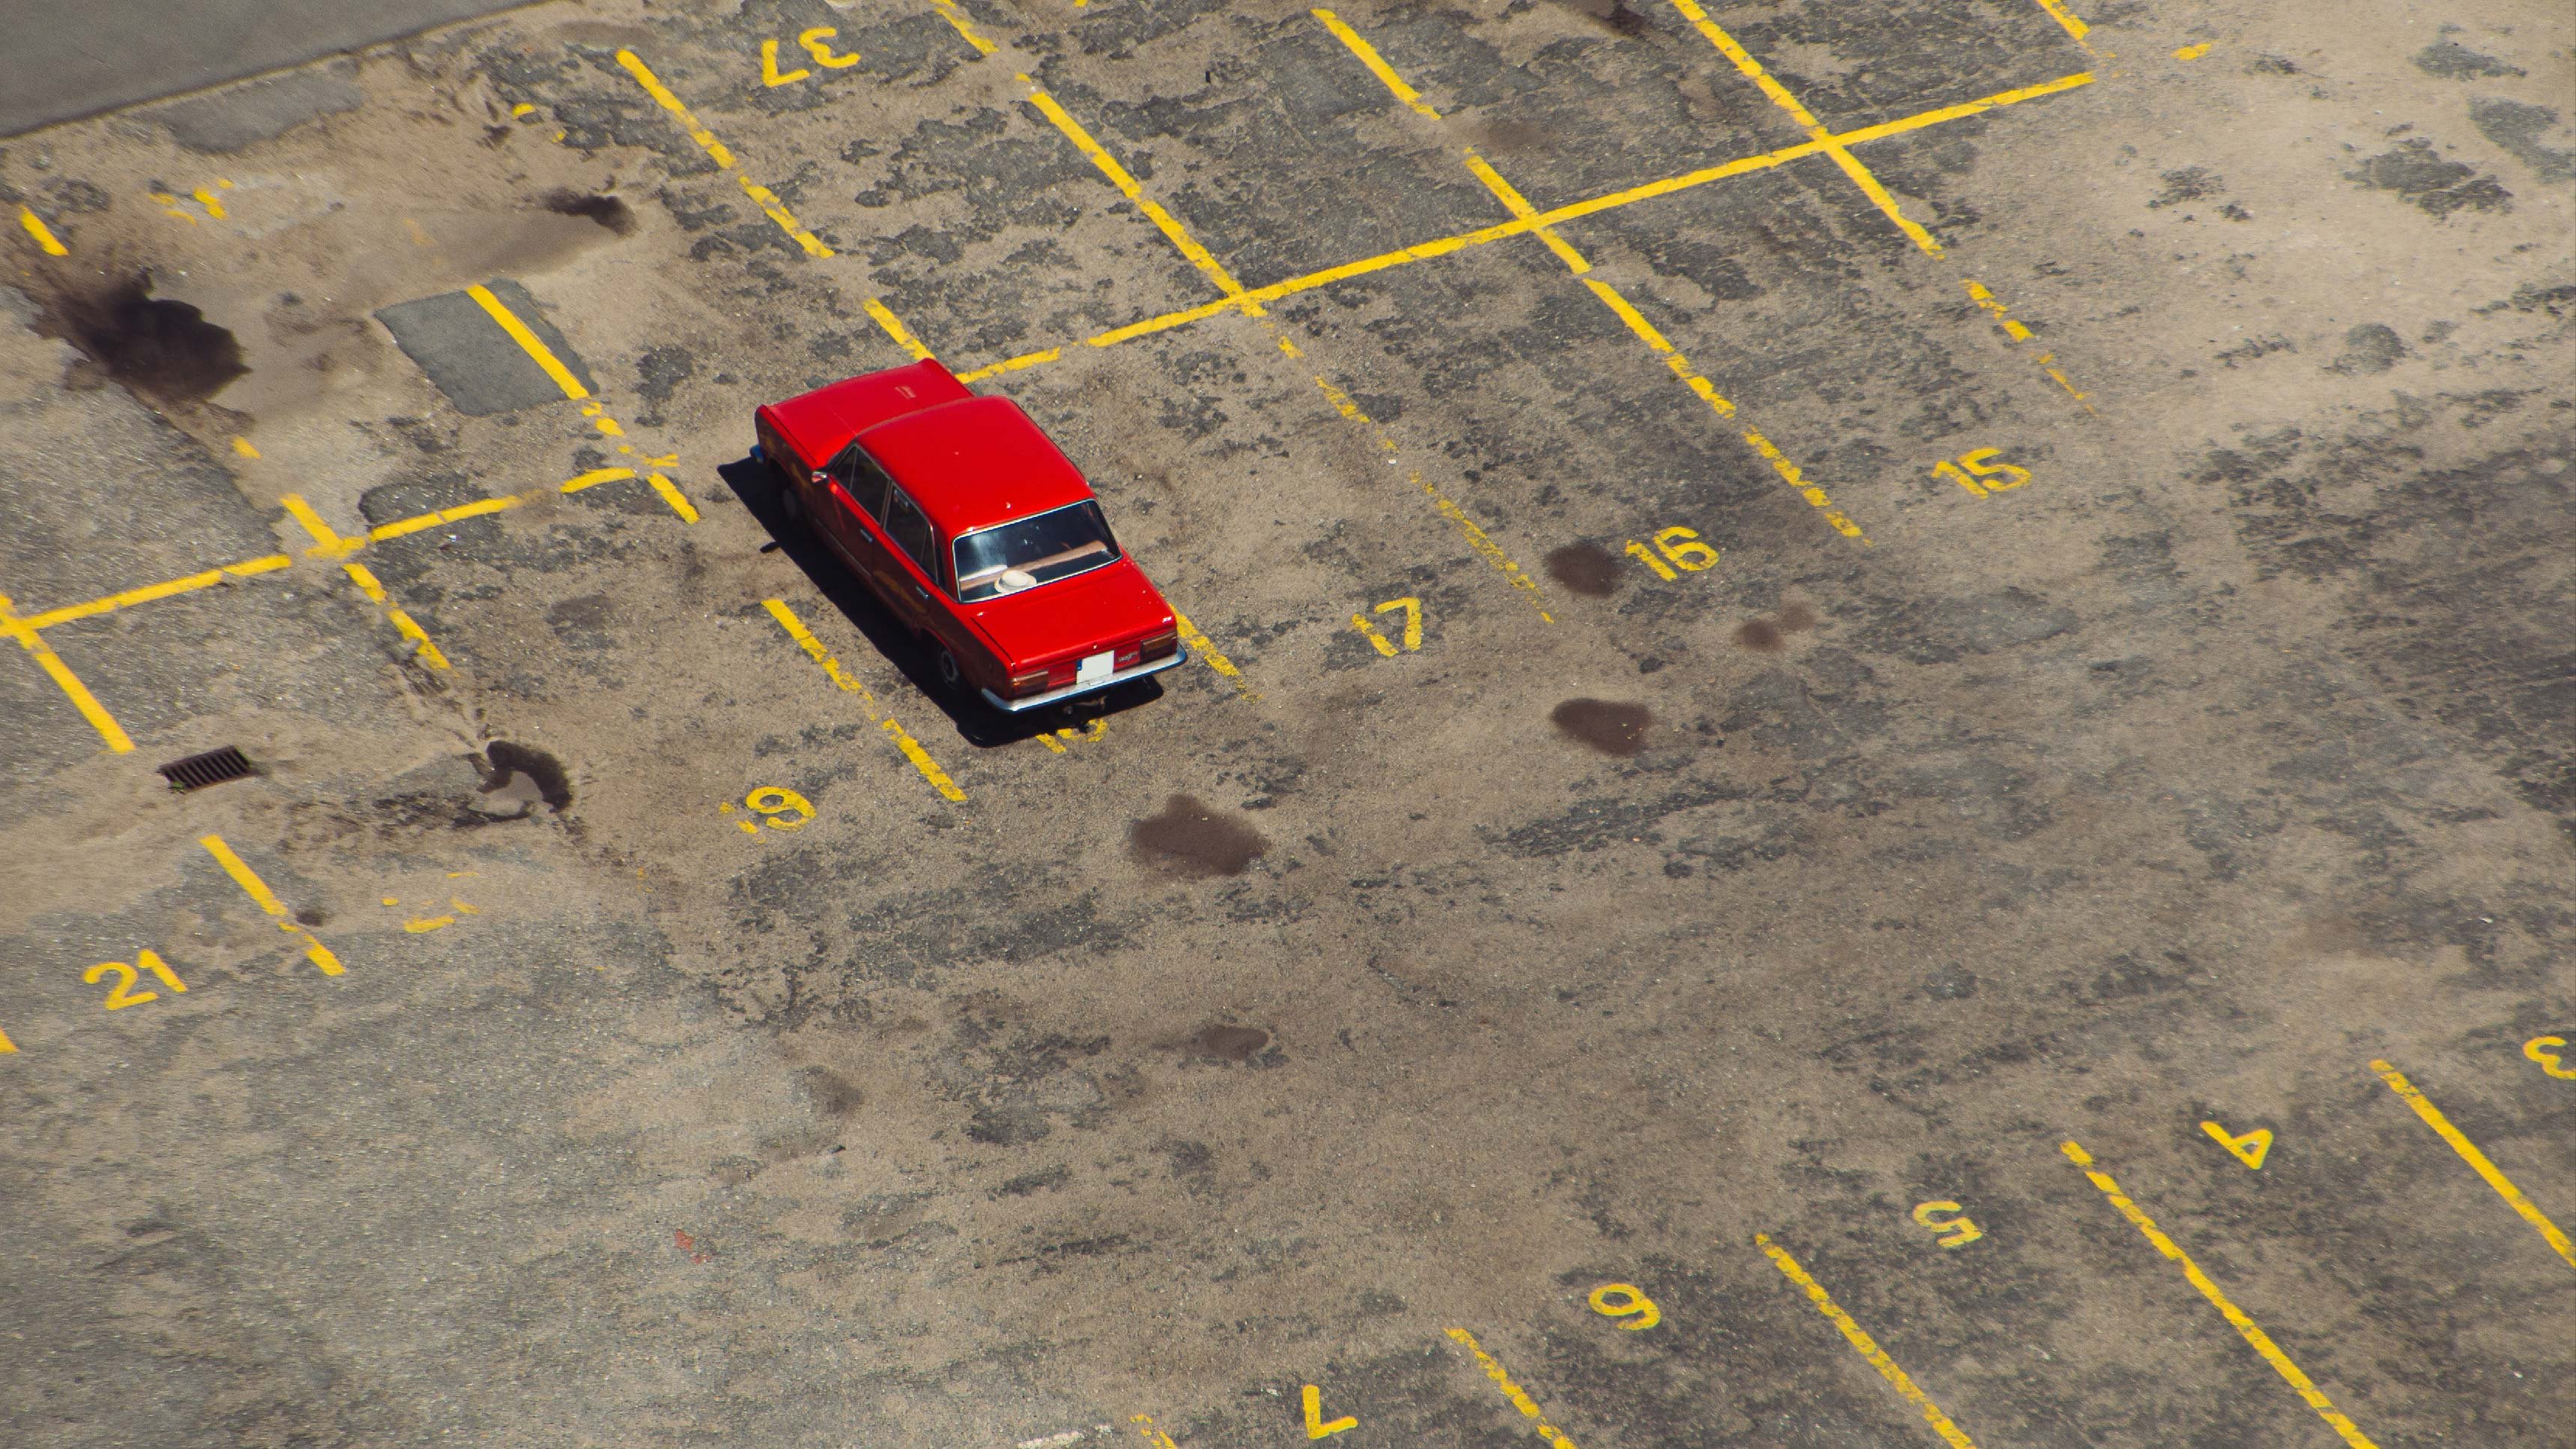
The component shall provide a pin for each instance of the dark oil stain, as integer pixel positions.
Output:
(608, 211)
(589, 611)
(164, 351)
(1771, 635)
(1612, 15)
(1229, 1043)
(313, 916)
(1503, 135)
(1585, 568)
(1611, 728)
(1044, 1180)
(520, 768)
(1192, 840)
(2419, 174)
(831, 1091)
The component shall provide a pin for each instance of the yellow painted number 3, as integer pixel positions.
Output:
(2545, 1050)
(1622, 1300)
(816, 45)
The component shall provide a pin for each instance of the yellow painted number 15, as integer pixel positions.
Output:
(1992, 475)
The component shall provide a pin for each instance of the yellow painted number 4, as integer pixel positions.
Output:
(1412, 634)
(123, 994)
(1681, 549)
(1992, 476)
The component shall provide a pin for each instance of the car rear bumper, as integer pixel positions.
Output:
(1059, 696)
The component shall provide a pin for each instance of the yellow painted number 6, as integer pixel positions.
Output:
(1622, 1300)
(2539, 1049)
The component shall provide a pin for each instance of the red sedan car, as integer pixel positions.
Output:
(975, 530)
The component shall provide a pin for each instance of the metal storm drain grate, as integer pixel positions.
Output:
(211, 768)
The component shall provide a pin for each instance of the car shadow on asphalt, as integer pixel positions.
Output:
(979, 724)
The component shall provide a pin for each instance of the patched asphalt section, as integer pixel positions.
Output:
(465, 352)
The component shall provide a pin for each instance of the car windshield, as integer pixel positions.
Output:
(1056, 544)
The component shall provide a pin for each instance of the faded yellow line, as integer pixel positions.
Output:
(1376, 63)
(1629, 196)
(777, 210)
(163, 590)
(1867, 1347)
(1208, 654)
(78, 693)
(1519, 1397)
(840, 677)
(7, 1047)
(458, 514)
(266, 899)
(594, 478)
(43, 234)
(1170, 225)
(2245, 1327)
(955, 15)
(529, 343)
(672, 495)
(1833, 146)
(1519, 206)
(328, 543)
(1011, 364)
(767, 200)
(2073, 24)
(662, 95)
(2477, 1161)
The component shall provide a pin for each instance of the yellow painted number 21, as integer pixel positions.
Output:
(123, 994)
(1991, 476)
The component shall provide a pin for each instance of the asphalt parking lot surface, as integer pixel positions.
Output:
(1879, 747)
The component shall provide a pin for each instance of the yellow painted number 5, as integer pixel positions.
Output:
(1622, 1300)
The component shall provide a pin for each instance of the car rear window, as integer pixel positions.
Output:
(1053, 545)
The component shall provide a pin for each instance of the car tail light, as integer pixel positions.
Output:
(1157, 646)
(1033, 682)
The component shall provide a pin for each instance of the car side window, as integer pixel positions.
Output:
(910, 529)
(867, 483)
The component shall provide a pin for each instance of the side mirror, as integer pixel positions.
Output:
(821, 479)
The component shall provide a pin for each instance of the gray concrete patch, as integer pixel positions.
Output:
(471, 359)
(67, 61)
(237, 116)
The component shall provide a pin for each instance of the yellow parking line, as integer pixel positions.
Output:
(910, 747)
(2477, 1161)
(1863, 1344)
(1170, 225)
(328, 543)
(420, 522)
(46, 659)
(767, 199)
(43, 234)
(1519, 1397)
(662, 96)
(2069, 20)
(1533, 220)
(1629, 196)
(955, 15)
(593, 478)
(1208, 654)
(528, 341)
(168, 588)
(266, 899)
(2245, 1327)
(1832, 145)
(1376, 63)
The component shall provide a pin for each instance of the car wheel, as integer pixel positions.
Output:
(792, 504)
(951, 677)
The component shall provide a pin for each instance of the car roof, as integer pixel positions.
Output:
(974, 463)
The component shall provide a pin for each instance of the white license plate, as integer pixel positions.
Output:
(1096, 667)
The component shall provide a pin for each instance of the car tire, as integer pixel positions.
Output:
(951, 677)
(792, 504)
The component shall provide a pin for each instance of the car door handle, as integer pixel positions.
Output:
(921, 593)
